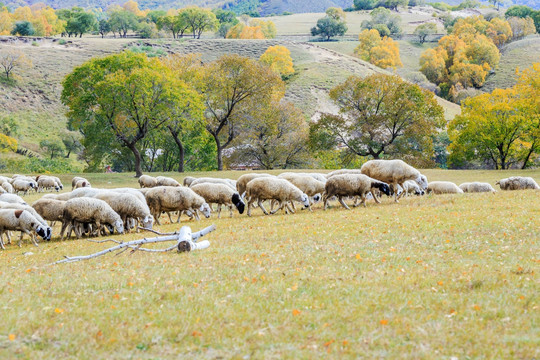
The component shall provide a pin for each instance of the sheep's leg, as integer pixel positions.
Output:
(400, 195)
(1, 242)
(375, 198)
(64, 225)
(289, 208)
(8, 236)
(325, 201)
(340, 198)
(219, 211)
(169, 215)
(230, 210)
(32, 236)
(156, 216)
(250, 202)
(363, 197)
(356, 202)
(20, 239)
(260, 203)
(281, 206)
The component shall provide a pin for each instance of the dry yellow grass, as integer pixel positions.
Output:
(430, 277)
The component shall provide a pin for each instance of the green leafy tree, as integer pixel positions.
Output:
(23, 28)
(328, 28)
(104, 27)
(200, 20)
(53, 147)
(385, 17)
(424, 30)
(393, 4)
(231, 86)
(122, 21)
(80, 22)
(124, 97)
(382, 115)
(365, 4)
(72, 142)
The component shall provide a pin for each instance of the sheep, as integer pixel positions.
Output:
(82, 184)
(393, 172)
(128, 206)
(245, 179)
(23, 186)
(89, 210)
(219, 194)
(20, 220)
(50, 209)
(173, 198)
(228, 182)
(476, 187)
(64, 197)
(58, 182)
(517, 183)
(12, 198)
(8, 187)
(166, 181)
(47, 183)
(273, 188)
(4, 179)
(6, 205)
(146, 181)
(411, 187)
(2, 191)
(352, 185)
(309, 185)
(188, 180)
(316, 176)
(75, 180)
(342, 172)
(443, 187)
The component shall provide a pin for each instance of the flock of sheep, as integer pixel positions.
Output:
(93, 212)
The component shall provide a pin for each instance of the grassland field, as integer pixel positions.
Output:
(432, 277)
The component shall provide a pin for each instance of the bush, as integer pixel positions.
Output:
(150, 51)
(62, 42)
(23, 28)
(382, 29)
(36, 165)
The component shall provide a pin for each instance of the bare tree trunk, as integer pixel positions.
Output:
(138, 159)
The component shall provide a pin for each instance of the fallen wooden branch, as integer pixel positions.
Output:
(185, 241)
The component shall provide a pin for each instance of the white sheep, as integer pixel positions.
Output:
(82, 184)
(2, 190)
(188, 180)
(412, 188)
(50, 209)
(476, 187)
(58, 182)
(443, 187)
(351, 184)
(31, 210)
(173, 198)
(64, 197)
(245, 179)
(147, 181)
(219, 194)
(75, 180)
(20, 220)
(273, 188)
(8, 187)
(12, 198)
(166, 181)
(518, 183)
(47, 183)
(393, 172)
(128, 206)
(89, 210)
(204, 180)
(343, 172)
(309, 185)
(23, 185)
(316, 176)
(4, 179)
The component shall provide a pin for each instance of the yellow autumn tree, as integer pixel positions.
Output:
(383, 52)
(279, 59)
(6, 21)
(133, 7)
(268, 27)
(254, 29)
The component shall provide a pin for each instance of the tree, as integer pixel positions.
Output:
(279, 59)
(72, 142)
(393, 4)
(496, 3)
(13, 59)
(104, 27)
(381, 115)
(53, 147)
(385, 17)
(23, 28)
(232, 84)
(499, 31)
(80, 22)
(383, 52)
(268, 27)
(336, 13)
(124, 97)
(176, 24)
(520, 11)
(227, 19)
(328, 28)
(489, 128)
(275, 137)
(122, 21)
(424, 30)
(365, 4)
(521, 27)
(199, 20)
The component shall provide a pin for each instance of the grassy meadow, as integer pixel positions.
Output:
(432, 277)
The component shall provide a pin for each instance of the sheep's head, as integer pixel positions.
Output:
(305, 200)
(421, 180)
(237, 201)
(119, 225)
(57, 188)
(317, 197)
(205, 209)
(40, 230)
(384, 188)
(148, 221)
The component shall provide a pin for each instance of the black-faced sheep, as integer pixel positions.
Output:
(219, 194)
(350, 185)
(20, 220)
(23, 185)
(273, 188)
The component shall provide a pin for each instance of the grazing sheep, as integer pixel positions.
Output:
(23, 186)
(393, 172)
(476, 187)
(517, 183)
(147, 181)
(15, 206)
(4, 179)
(47, 183)
(208, 180)
(128, 206)
(188, 180)
(245, 179)
(309, 185)
(411, 187)
(75, 180)
(50, 209)
(443, 187)
(219, 194)
(82, 184)
(20, 220)
(58, 182)
(89, 210)
(316, 176)
(352, 184)
(172, 198)
(166, 181)
(12, 198)
(273, 188)
(8, 187)
(64, 197)
(343, 172)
